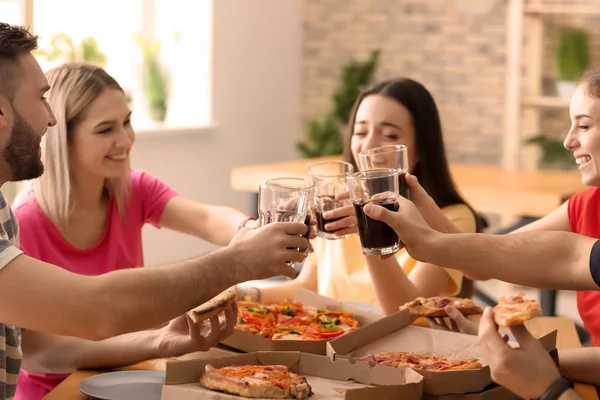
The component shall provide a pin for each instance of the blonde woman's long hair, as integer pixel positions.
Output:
(73, 88)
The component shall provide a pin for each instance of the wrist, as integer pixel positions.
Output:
(157, 345)
(557, 389)
(432, 246)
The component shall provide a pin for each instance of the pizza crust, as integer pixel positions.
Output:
(214, 306)
(433, 307)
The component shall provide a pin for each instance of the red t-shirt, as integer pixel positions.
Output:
(584, 216)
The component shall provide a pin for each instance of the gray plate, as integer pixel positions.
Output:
(124, 385)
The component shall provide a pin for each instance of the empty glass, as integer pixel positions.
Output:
(387, 157)
(377, 186)
(330, 180)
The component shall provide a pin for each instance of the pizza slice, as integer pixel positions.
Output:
(214, 306)
(515, 310)
(257, 381)
(421, 362)
(435, 306)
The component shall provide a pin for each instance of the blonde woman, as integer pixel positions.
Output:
(86, 213)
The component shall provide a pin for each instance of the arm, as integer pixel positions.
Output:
(278, 292)
(215, 224)
(581, 365)
(570, 395)
(559, 260)
(45, 353)
(557, 220)
(41, 297)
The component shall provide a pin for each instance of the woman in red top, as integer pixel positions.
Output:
(581, 213)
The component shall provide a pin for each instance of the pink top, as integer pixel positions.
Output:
(120, 247)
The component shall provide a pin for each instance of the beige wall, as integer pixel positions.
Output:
(256, 78)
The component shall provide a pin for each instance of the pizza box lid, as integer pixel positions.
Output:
(331, 380)
(394, 333)
(250, 342)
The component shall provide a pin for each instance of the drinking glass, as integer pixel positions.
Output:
(387, 157)
(330, 180)
(377, 186)
(285, 200)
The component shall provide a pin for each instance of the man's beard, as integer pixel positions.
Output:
(22, 154)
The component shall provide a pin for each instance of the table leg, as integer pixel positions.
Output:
(548, 302)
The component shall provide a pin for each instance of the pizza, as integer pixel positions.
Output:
(293, 321)
(421, 362)
(214, 306)
(435, 306)
(252, 381)
(515, 310)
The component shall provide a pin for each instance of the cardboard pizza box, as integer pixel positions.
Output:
(250, 342)
(394, 333)
(331, 380)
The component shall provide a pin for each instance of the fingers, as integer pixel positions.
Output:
(347, 231)
(437, 323)
(344, 223)
(285, 269)
(340, 212)
(296, 242)
(522, 335)
(227, 326)
(342, 196)
(293, 255)
(489, 338)
(381, 214)
(417, 193)
(454, 326)
(291, 228)
(461, 322)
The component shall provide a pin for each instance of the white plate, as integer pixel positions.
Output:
(124, 385)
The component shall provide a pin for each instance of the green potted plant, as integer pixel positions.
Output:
(572, 59)
(155, 79)
(324, 136)
(554, 155)
(63, 49)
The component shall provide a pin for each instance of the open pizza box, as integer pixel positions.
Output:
(249, 342)
(394, 333)
(331, 380)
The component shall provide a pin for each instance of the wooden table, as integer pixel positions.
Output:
(69, 388)
(489, 189)
(567, 338)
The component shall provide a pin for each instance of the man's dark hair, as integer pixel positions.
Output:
(14, 41)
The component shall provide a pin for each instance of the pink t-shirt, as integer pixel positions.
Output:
(120, 247)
